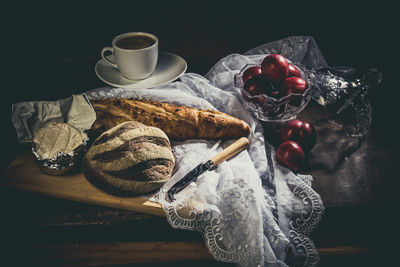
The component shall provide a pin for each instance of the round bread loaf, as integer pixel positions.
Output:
(130, 158)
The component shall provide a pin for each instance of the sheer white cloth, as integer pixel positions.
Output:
(249, 209)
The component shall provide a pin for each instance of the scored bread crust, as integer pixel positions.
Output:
(131, 159)
(178, 122)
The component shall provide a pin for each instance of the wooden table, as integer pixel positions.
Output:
(52, 230)
(356, 229)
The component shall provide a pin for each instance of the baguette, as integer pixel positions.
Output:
(178, 122)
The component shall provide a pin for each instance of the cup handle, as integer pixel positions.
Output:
(105, 49)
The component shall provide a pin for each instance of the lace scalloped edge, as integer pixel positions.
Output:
(299, 227)
(210, 231)
(303, 224)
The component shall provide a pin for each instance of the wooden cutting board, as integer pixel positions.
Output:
(24, 174)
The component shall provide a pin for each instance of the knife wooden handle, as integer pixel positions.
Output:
(230, 151)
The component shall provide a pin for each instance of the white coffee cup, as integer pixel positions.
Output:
(135, 54)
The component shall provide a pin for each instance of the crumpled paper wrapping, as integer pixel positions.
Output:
(29, 117)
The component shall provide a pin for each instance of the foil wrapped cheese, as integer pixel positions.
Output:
(59, 147)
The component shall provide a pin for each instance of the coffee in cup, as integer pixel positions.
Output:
(135, 54)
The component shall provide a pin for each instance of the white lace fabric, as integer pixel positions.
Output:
(249, 210)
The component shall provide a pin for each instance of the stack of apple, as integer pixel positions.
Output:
(297, 138)
(275, 78)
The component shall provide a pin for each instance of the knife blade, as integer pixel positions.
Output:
(191, 176)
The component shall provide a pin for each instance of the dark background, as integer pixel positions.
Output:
(49, 52)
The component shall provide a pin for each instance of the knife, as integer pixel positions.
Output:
(191, 176)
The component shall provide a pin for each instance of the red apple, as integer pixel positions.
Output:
(275, 67)
(302, 132)
(256, 85)
(293, 71)
(259, 84)
(290, 155)
(293, 85)
(250, 73)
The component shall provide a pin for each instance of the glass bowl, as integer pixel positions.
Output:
(270, 108)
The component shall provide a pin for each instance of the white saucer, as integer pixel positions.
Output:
(169, 68)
